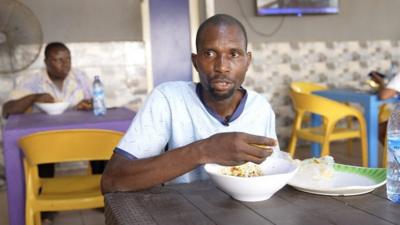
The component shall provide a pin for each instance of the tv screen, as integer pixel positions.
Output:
(296, 7)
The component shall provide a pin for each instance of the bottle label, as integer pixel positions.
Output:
(393, 168)
(394, 143)
(98, 95)
(394, 150)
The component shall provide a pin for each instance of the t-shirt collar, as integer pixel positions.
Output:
(225, 121)
(48, 80)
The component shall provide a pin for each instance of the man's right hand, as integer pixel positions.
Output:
(85, 104)
(122, 174)
(235, 148)
(25, 103)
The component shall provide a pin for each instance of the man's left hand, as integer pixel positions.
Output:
(85, 104)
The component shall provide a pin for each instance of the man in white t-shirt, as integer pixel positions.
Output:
(183, 125)
(57, 82)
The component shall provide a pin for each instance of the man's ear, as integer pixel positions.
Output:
(249, 58)
(194, 61)
(45, 61)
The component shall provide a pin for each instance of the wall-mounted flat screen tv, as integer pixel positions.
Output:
(296, 7)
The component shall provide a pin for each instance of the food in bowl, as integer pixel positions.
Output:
(276, 172)
(53, 108)
(245, 170)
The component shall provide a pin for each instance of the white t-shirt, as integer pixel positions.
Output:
(394, 83)
(76, 87)
(174, 115)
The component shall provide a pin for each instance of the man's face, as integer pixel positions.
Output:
(58, 63)
(222, 60)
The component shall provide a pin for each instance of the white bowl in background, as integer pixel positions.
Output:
(277, 173)
(54, 108)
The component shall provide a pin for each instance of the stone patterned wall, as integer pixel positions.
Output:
(336, 64)
(121, 66)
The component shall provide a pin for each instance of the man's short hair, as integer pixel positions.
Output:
(220, 19)
(53, 45)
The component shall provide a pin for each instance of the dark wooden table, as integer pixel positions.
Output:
(202, 203)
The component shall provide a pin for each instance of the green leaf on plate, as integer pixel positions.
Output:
(378, 175)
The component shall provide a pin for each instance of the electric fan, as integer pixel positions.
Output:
(20, 37)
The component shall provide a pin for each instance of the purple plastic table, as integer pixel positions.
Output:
(19, 125)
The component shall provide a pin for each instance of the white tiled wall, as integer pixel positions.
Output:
(337, 64)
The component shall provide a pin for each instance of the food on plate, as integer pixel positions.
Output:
(248, 169)
(319, 169)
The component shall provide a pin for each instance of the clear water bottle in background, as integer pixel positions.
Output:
(99, 105)
(393, 156)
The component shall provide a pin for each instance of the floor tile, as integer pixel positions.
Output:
(68, 218)
(92, 217)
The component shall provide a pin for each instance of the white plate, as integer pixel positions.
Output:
(347, 180)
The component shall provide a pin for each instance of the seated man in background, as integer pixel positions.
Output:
(57, 82)
(183, 125)
(384, 92)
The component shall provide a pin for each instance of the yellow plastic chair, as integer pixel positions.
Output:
(384, 113)
(384, 153)
(64, 192)
(309, 88)
(331, 112)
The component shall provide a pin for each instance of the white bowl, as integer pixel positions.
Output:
(277, 173)
(54, 108)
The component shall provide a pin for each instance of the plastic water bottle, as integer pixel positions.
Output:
(393, 156)
(99, 106)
